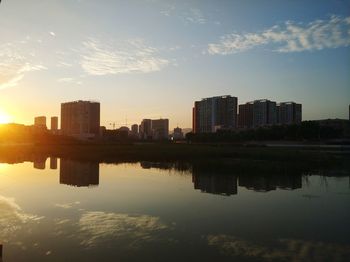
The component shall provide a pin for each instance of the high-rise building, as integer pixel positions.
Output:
(195, 117)
(289, 113)
(264, 113)
(40, 122)
(160, 129)
(146, 129)
(54, 123)
(80, 118)
(213, 113)
(245, 116)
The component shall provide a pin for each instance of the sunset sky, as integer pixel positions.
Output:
(151, 59)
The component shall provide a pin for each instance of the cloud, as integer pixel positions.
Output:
(97, 227)
(52, 33)
(12, 217)
(131, 56)
(14, 64)
(282, 250)
(195, 16)
(289, 37)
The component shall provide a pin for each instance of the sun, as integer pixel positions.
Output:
(4, 118)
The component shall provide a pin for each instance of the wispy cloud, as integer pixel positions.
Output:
(14, 64)
(97, 227)
(289, 37)
(117, 58)
(195, 16)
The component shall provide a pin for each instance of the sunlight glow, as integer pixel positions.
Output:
(4, 118)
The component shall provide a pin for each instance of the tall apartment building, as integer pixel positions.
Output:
(54, 123)
(160, 129)
(40, 122)
(145, 129)
(264, 113)
(154, 129)
(245, 115)
(80, 118)
(289, 113)
(214, 113)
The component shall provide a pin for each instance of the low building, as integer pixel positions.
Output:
(178, 134)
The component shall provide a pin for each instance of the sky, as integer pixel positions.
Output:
(154, 58)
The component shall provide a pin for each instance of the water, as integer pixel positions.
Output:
(74, 211)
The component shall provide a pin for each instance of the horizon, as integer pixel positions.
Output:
(153, 59)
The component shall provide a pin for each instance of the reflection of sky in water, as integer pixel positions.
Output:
(138, 213)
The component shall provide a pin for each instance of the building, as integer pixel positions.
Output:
(264, 113)
(40, 122)
(245, 116)
(146, 129)
(135, 130)
(289, 113)
(160, 129)
(80, 118)
(54, 123)
(213, 113)
(178, 134)
(195, 117)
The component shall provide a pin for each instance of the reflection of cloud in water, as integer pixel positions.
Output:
(284, 249)
(96, 227)
(12, 217)
(67, 205)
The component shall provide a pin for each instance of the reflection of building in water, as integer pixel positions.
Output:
(265, 183)
(80, 174)
(215, 183)
(39, 162)
(159, 165)
(53, 162)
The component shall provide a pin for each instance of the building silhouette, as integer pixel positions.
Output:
(264, 113)
(288, 113)
(160, 129)
(40, 122)
(39, 162)
(53, 162)
(178, 134)
(146, 129)
(157, 129)
(261, 113)
(79, 174)
(80, 119)
(54, 124)
(245, 116)
(135, 130)
(213, 113)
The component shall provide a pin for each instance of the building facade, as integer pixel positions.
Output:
(245, 116)
(160, 129)
(80, 118)
(264, 113)
(289, 113)
(146, 129)
(213, 113)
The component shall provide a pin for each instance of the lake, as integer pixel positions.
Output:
(64, 210)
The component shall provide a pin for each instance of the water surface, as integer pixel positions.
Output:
(65, 210)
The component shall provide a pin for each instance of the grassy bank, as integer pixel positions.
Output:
(165, 152)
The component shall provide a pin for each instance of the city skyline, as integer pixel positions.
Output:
(152, 59)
